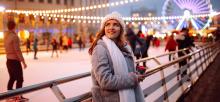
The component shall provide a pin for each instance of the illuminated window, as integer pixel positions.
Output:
(41, 1)
(58, 1)
(65, 2)
(49, 1)
(72, 2)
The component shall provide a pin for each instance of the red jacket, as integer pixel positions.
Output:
(171, 45)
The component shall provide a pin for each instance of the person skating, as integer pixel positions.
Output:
(54, 44)
(171, 46)
(35, 48)
(28, 45)
(184, 41)
(15, 59)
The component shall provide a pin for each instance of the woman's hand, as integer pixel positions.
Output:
(140, 77)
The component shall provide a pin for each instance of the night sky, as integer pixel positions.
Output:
(152, 4)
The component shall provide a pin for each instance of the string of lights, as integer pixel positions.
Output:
(55, 16)
(95, 19)
(56, 11)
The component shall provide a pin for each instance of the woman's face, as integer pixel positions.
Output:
(112, 29)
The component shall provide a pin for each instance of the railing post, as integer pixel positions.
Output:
(57, 92)
(181, 82)
(196, 64)
(190, 72)
(209, 55)
(201, 62)
(204, 60)
(213, 53)
(166, 98)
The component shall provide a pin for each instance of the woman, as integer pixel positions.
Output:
(113, 72)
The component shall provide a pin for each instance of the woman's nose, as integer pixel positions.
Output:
(111, 26)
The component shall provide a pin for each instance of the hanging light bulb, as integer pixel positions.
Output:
(83, 8)
(103, 5)
(99, 6)
(112, 4)
(98, 21)
(84, 21)
(121, 2)
(74, 21)
(116, 3)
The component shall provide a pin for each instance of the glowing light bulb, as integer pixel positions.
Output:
(187, 13)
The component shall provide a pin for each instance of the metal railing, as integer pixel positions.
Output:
(200, 59)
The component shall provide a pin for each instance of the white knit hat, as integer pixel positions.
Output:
(115, 16)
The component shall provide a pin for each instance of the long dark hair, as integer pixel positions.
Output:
(120, 40)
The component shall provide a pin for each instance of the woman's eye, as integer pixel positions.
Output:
(107, 24)
(116, 24)
(112, 24)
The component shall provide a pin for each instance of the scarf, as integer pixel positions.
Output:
(120, 68)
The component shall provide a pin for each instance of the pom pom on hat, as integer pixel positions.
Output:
(115, 16)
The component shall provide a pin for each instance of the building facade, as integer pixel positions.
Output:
(44, 24)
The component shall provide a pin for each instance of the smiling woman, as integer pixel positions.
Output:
(112, 29)
(114, 81)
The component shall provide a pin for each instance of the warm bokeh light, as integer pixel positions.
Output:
(23, 34)
(1, 35)
(2, 9)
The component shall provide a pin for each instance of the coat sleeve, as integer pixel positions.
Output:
(105, 76)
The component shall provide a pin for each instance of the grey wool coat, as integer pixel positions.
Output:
(106, 84)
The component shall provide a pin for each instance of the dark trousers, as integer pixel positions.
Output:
(171, 56)
(144, 55)
(182, 63)
(15, 73)
(35, 53)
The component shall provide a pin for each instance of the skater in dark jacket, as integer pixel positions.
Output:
(184, 41)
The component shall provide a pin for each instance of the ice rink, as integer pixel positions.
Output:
(46, 68)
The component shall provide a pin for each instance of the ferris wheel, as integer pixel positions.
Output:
(188, 8)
